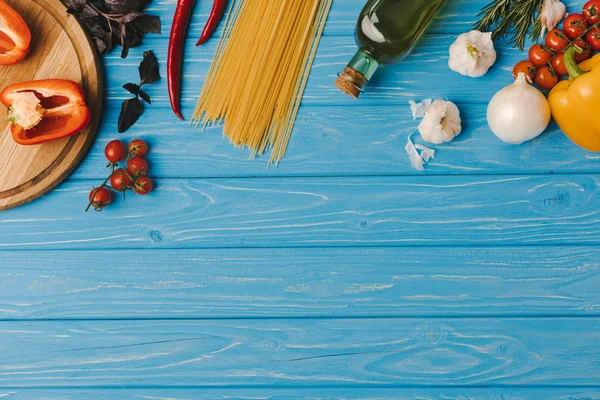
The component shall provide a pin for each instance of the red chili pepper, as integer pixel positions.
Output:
(176, 41)
(216, 15)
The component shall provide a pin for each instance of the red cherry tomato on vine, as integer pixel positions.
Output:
(143, 185)
(545, 78)
(120, 180)
(540, 55)
(587, 50)
(575, 26)
(558, 64)
(100, 198)
(527, 68)
(137, 166)
(557, 40)
(593, 38)
(137, 147)
(114, 151)
(591, 11)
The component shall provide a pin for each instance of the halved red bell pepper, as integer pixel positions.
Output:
(15, 36)
(58, 111)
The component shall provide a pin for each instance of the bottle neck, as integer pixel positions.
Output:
(356, 75)
(364, 64)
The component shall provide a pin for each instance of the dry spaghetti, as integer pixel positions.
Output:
(261, 67)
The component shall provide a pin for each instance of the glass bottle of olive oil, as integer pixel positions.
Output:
(386, 32)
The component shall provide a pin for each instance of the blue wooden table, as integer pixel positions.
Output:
(343, 273)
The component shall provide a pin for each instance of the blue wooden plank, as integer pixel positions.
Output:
(333, 141)
(508, 393)
(301, 353)
(457, 16)
(424, 74)
(302, 282)
(300, 212)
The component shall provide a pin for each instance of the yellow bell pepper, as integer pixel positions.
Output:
(575, 103)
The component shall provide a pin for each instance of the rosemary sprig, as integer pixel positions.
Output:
(514, 19)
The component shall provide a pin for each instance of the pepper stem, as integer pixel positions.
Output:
(571, 65)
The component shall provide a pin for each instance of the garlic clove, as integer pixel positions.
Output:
(551, 14)
(472, 54)
(441, 123)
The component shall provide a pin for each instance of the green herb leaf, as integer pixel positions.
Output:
(516, 20)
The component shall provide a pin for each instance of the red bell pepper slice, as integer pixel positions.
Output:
(64, 112)
(15, 36)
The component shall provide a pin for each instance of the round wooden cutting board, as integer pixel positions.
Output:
(59, 49)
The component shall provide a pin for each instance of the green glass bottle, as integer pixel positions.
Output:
(386, 32)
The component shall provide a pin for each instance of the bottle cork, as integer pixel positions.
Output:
(351, 82)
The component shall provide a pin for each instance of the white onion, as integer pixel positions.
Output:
(519, 112)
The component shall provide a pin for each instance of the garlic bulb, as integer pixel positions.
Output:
(519, 112)
(551, 14)
(472, 54)
(441, 122)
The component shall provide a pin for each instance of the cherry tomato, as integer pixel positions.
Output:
(137, 147)
(540, 55)
(557, 40)
(527, 68)
(115, 151)
(545, 78)
(120, 180)
(137, 166)
(100, 198)
(593, 38)
(558, 64)
(587, 50)
(143, 185)
(591, 11)
(575, 26)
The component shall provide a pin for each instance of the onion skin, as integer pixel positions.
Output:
(519, 112)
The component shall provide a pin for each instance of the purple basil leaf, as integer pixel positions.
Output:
(88, 12)
(132, 88)
(130, 17)
(144, 4)
(124, 43)
(145, 97)
(96, 27)
(146, 24)
(122, 6)
(75, 5)
(149, 72)
(131, 110)
(116, 32)
(101, 45)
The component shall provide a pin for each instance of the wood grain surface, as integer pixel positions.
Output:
(329, 141)
(328, 212)
(342, 274)
(59, 49)
(301, 352)
(355, 393)
(355, 282)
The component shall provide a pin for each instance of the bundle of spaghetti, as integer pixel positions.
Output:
(255, 84)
